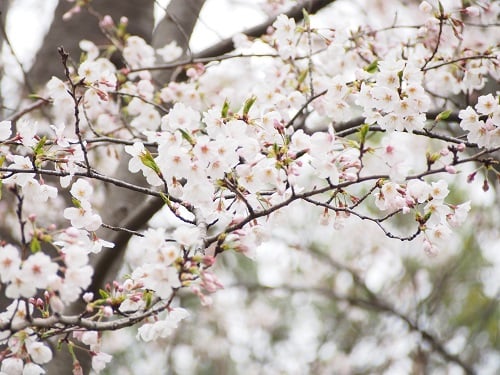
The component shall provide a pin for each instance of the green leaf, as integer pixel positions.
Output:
(148, 160)
(165, 198)
(363, 131)
(248, 104)
(307, 20)
(35, 245)
(148, 298)
(225, 109)
(76, 202)
(187, 137)
(103, 293)
(302, 76)
(443, 115)
(39, 146)
(372, 68)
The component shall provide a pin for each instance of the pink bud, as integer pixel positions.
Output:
(87, 297)
(208, 260)
(450, 169)
(107, 311)
(107, 22)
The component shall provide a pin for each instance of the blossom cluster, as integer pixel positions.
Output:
(226, 156)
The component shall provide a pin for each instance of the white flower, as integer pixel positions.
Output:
(38, 269)
(439, 189)
(181, 117)
(27, 131)
(5, 130)
(170, 52)
(90, 48)
(20, 162)
(42, 192)
(135, 164)
(83, 217)
(419, 190)
(486, 104)
(138, 53)
(187, 236)
(162, 328)
(32, 369)
(10, 262)
(157, 277)
(21, 285)
(81, 190)
(12, 366)
(39, 352)
(459, 215)
(57, 89)
(99, 361)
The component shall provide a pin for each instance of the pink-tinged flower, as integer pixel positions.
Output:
(389, 197)
(138, 53)
(5, 130)
(38, 269)
(469, 118)
(77, 368)
(459, 214)
(157, 277)
(487, 104)
(99, 361)
(285, 36)
(210, 282)
(429, 248)
(20, 286)
(438, 233)
(10, 261)
(418, 190)
(27, 131)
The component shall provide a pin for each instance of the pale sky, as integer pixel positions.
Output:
(237, 15)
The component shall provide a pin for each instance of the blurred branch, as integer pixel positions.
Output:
(227, 45)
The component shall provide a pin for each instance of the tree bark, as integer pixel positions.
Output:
(84, 25)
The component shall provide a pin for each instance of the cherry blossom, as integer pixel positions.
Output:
(340, 152)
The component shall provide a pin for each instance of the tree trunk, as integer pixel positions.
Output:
(84, 25)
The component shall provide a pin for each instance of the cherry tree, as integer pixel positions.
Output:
(316, 194)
